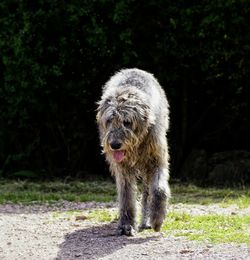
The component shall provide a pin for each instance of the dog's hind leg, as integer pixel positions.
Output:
(145, 208)
(160, 193)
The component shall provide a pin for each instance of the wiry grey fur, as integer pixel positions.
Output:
(133, 118)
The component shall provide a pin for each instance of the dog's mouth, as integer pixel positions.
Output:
(118, 155)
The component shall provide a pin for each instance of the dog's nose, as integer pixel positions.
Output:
(115, 145)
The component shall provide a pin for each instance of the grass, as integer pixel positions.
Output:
(191, 194)
(27, 192)
(102, 215)
(105, 191)
(211, 228)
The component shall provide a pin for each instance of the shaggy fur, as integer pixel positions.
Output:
(133, 119)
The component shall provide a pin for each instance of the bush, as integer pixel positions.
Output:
(56, 55)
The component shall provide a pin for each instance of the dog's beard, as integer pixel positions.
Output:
(128, 152)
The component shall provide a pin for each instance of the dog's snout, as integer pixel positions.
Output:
(115, 145)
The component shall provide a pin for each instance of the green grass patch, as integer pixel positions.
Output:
(242, 201)
(191, 194)
(102, 215)
(212, 228)
(27, 192)
(105, 191)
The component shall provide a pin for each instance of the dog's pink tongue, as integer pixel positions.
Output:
(118, 155)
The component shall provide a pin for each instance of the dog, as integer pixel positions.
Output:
(133, 121)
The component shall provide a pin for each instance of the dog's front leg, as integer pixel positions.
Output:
(127, 204)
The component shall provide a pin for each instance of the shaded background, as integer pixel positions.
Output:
(56, 55)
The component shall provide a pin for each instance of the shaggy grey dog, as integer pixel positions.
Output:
(133, 118)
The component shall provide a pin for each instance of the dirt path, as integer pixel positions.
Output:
(39, 232)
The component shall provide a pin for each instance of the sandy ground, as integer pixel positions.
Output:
(46, 232)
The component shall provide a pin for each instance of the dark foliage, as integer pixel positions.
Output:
(56, 55)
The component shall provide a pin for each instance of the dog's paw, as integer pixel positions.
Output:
(144, 226)
(126, 229)
(156, 224)
(157, 227)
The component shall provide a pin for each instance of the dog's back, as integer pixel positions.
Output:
(135, 78)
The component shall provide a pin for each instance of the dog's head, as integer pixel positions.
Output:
(124, 118)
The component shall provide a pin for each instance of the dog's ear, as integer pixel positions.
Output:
(102, 105)
(149, 115)
(151, 118)
(98, 110)
(98, 116)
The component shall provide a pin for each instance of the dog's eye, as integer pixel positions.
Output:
(127, 124)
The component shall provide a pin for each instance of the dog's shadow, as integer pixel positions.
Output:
(95, 242)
